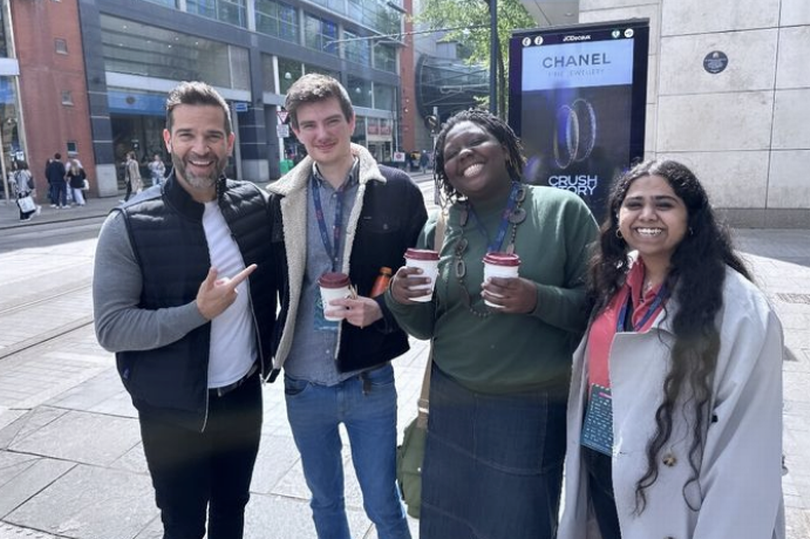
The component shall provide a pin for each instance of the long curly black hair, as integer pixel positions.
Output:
(515, 160)
(696, 274)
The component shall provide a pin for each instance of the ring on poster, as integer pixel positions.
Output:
(575, 126)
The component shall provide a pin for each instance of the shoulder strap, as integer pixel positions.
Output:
(423, 403)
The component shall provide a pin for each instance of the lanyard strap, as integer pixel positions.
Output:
(624, 322)
(495, 245)
(331, 247)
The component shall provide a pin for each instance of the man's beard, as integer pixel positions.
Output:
(199, 182)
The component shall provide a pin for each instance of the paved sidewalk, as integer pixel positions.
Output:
(71, 464)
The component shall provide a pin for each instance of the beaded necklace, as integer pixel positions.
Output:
(513, 214)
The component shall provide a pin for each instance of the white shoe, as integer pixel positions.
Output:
(38, 210)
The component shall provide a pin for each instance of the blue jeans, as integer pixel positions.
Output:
(493, 462)
(370, 417)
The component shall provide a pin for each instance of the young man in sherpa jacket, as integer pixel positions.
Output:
(338, 211)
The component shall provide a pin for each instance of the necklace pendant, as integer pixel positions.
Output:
(517, 216)
(521, 195)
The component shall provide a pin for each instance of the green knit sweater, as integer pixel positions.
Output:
(506, 353)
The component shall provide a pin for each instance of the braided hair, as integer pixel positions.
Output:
(515, 161)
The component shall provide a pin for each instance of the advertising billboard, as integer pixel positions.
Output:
(577, 98)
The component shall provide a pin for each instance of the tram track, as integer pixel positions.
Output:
(34, 319)
(45, 337)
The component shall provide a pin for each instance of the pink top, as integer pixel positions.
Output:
(603, 328)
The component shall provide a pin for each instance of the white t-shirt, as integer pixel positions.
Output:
(233, 339)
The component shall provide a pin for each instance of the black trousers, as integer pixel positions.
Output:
(600, 489)
(211, 470)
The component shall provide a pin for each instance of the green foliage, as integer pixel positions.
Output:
(473, 17)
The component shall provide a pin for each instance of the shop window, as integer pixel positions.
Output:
(289, 71)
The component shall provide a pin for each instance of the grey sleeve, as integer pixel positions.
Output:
(120, 324)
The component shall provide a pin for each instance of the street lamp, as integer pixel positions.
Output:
(493, 56)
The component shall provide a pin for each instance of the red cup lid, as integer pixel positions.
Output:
(502, 259)
(422, 254)
(334, 280)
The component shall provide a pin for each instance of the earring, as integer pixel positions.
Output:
(691, 232)
(619, 234)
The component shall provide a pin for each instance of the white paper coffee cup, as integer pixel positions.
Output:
(497, 264)
(333, 286)
(428, 261)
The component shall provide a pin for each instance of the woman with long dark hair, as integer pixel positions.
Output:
(496, 429)
(675, 410)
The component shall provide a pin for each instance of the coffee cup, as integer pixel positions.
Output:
(500, 265)
(428, 261)
(333, 286)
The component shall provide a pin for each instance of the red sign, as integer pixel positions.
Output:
(282, 116)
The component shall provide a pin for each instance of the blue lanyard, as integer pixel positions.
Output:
(622, 322)
(331, 247)
(495, 245)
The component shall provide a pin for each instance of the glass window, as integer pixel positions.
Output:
(359, 129)
(357, 50)
(319, 34)
(375, 14)
(385, 58)
(206, 8)
(268, 82)
(3, 44)
(277, 19)
(67, 97)
(60, 45)
(310, 68)
(359, 91)
(9, 115)
(338, 6)
(230, 11)
(384, 96)
(139, 49)
(289, 71)
(233, 12)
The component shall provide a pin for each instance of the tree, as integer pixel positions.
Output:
(474, 17)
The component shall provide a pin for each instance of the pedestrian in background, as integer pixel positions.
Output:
(341, 212)
(24, 186)
(157, 170)
(55, 174)
(132, 175)
(75, 178)
(496, 429)
(191, 334)
(675, 409)
(423, 161)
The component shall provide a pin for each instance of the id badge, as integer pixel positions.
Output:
(320, 322)
(597, 429)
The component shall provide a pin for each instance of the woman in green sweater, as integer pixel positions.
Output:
(496, 430)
